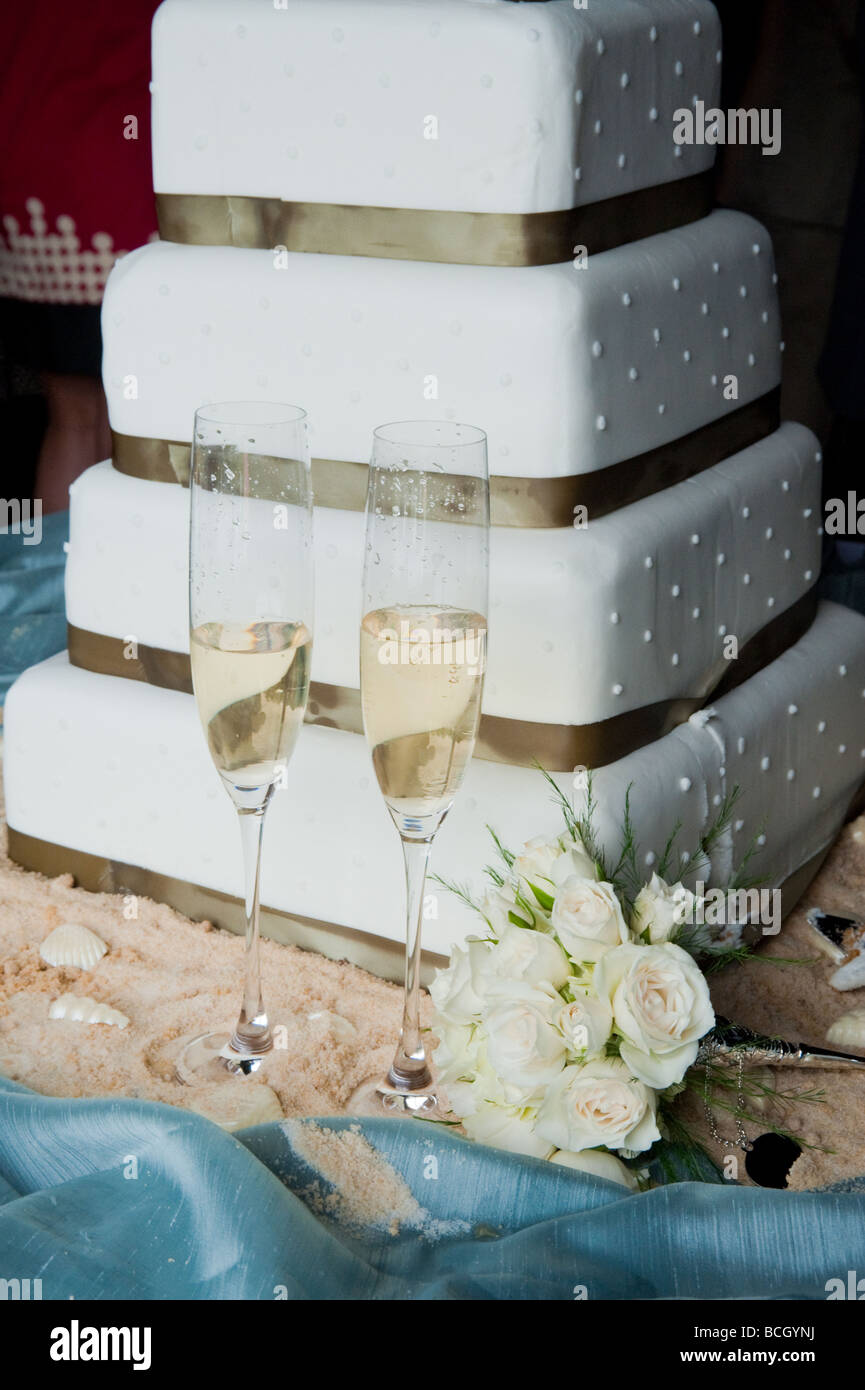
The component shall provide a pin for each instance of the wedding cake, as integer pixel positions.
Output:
(470, 210)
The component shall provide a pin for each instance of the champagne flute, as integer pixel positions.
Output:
(250, 606)
(422, 662)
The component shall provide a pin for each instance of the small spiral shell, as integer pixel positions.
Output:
(81, 1009)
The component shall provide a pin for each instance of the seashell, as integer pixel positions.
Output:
(240, 1104)
(72, 944)
(849, 1029)
(850, 975)
(340, 1029)
(835, 936)
(81, 1009)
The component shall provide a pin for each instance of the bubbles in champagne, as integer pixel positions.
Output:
(251, 683)
(422, 670)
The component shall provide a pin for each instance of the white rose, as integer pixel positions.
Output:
(587, 918)
(600, 1163)
(537, 857)
(600, 1104)
(586, 1023)
(456, 1054)
(451, 991)
(572, 860)
(495, 906)
(661, 1006)
(472, 1086)
(550, 862)
(506, 1129)
(662, 908)
(523, 1047)
(521, 954)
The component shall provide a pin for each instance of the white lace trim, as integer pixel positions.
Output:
(51, 267)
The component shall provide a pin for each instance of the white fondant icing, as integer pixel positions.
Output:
(438, 104)
(536, 325)
(173, 818)
(557, 595)
(798, 817)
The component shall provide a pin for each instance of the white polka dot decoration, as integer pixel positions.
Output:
(659, 592)
(686, 346)
(447, 108)
(776, 716)
(625, 105)
(402, 338)
(353, 363)
(793, 794)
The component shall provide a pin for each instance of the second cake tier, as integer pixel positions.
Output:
(645, 610)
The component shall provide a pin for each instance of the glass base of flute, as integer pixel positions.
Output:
(409, 1087)
(211, 1057)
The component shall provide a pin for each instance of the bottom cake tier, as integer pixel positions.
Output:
(110, 780)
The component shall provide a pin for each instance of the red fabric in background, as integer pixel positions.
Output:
(70, 74)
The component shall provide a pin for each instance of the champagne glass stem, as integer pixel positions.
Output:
(252, 1032)
(409, 1070)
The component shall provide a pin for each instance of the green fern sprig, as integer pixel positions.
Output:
(625, 876)
(713, 959)
(567, 810)
(504, 854)
(667, 854)
(584, 830)
(698, 1084)
(701, 856)
(463, 892)
(740, 880)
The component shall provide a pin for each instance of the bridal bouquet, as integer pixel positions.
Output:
(569, 1024)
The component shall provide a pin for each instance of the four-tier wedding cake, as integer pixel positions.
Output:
(470, 210)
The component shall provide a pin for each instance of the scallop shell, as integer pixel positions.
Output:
(72, 944)
(849, 1029)
(81, 1009)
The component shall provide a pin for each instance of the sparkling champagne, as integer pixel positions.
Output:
(251, 685)
(422, 673)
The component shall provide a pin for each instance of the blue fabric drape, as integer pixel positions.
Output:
(133, 1200)
(32, 608)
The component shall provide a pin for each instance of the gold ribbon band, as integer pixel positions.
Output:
(518, 742)
(99, 875)
(529, 502)
(421, 234)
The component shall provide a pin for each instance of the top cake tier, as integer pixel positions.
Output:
(460, 105)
